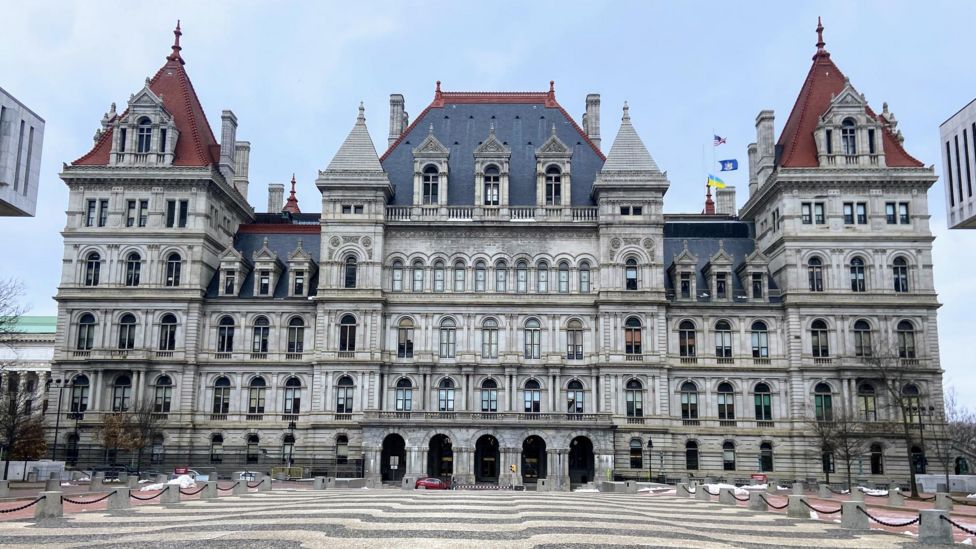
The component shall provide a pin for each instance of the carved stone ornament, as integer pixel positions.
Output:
(615, 244)
(335, 242)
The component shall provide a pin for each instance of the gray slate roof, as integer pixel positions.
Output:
(628, 153)
(281, 244)
(357, 152)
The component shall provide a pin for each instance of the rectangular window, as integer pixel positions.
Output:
(686, 285)
(757, 285)
(890, 213)
(818, 213)
(299, 283)
(162, 140)
(862, 213)
(130, 213)
(830, 142)
(848, 213)
(264, 283)
(637, 210)
(625, 210)
(143, 212)
(357, 209)
(958, 168)
(90, 215)
(806, 215)
(903, 213)
(170, 213)
(230, 283)
(721, 289)
(346, 209)
(20, 147)
(948, 170)
(122, 140)
(184, 212)
(965, 154)
(103, 212)
(871, 146)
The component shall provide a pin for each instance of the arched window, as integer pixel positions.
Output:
(635, 398)
(296, 335)
(764, 402)
(396, 274)
(760, 340)
(404, 395)
(726, 401)
(584, 278)
(405, 338)
(221, 396)
(630, 273)
(448, 338)
(174, 266)
(251, 452)
(342, 449)
(347, 334)
(691, 455)
(256, 395)
(848, 137)
(632, 336)
(823, 402)
(542, 277)
(225, 335)
(418, 276)
(574, 340)
(260, 334)
(912, 402)
(480, 275)
(431, 185)
(686, 339)
(818, 339)
(554, 186)
(867, 402)
(723, 339)
(728, 456)
(163, 395)
(766, 457)
(489, 338)
(344, 395)
(899, 269)
(532, 397)
(217, 449)
(906, 339)
(563, 277)
(689, 400)
(533, 339)
(445, 395)
(86, 332)
(121, 393)
(145, 135)
(862, 338)
(521, 277)
(349, 274)
(636, 454)
(79, 395)
(815, 274)
(459, 277)
(127, 331)
(133, 267)
(287, 449)
(857, 275)
(877, 459)
(574, 397)
(93, 264)
(501, 277)
(489, 396)
(293, 396)
(439, 276)
(492, 187)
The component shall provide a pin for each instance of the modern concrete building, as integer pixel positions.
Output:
(958, 144)
(496, 299)
(21, 138)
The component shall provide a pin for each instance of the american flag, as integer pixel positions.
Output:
(718, 140)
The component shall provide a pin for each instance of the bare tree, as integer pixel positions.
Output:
(21, 423)
(10, 311)
(825, 433)
(849, 442)
(132, 430)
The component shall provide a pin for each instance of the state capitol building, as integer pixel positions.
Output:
(495, 287)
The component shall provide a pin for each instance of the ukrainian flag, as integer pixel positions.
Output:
(715, 182)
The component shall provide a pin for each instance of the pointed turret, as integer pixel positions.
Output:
(291, 206)
(628, 162)
(356, 161)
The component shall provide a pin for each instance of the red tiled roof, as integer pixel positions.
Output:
(799, 150)
(196, 145)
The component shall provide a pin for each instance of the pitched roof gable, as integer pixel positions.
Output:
(357, 152)
(196, 145)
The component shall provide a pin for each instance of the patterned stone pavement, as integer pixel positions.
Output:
(395, 518)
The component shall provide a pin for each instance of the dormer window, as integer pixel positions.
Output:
(492, 186)
(554, 186)
(431, 182)
(848, 137)
(230, 282)
(264, 282)
(145, 135)
(686, 285)
(299, 288)
(721, 286)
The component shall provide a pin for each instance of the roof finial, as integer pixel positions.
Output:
(626, 112)
(820, 40)
(291, 205)
(554, 129)
(491, 126)
(437, 91)
(175, 56)
(552, 86)
(709, 203)
(430, 129)
(362, 114)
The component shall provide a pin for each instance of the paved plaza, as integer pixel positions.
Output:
(395, 518)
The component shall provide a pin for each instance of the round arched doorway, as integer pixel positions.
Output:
(533, 459)
(393, 460)
(440, 458)
(486, 459)
(580, 460)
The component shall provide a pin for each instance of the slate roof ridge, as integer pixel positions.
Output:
(357, 153)
(628, 152)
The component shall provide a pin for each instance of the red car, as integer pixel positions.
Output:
(432, 483)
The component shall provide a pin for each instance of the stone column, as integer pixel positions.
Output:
(373, 455)
(463, 465)
(603, 466)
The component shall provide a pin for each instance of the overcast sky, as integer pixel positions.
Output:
(295, 72)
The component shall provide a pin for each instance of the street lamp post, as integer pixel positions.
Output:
(57, 419)
(291, 451)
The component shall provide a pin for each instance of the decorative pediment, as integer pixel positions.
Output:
(553, 146)
(265, 254)
(848, 97)
(685, 257)
(721, 258)
(299, 255)
(756, 260)
(232, 255)
(430, 146)
(492, 147)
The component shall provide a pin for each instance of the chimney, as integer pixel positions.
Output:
(753, 153)
(725, 201)
(242, 157)
(398, 118)
(765, 145)
(591, 120)
(228, 144)
(276, 197)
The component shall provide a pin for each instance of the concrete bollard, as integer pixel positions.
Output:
(771, 488)
(133, 482)
(798, 488)
(119, 499)
(265, 484)
(932, 529)
(123, 477)
(895, 499)
(681, 490)
(727, 496)
(851, 518)
(630, 487)
(240, 488)
(373, 482)
(824, 492)
(97, 482)
(856, 494)
(942, 502)
(52, 485)
(330, 483)
(796, 508)
(171, 494)
(209, 490)
(162, 479)
(50, 506)
(701, 494)
(408, 482)
(756, 502)
(318, 483)
(4, 488)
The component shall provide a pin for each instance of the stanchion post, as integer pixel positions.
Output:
(798, 488)
(932, 528)
(701, 494)
(895, 499)
(856, 494)
(119, 499)
(943, 502)
(4, 488)
(318, 483)
(756, 502)
(726, 496)
(265, 485)
(824, 492)
(171, 495)
(240, 488)
(851, 518)
(796, 508)
(50, 506)
(209, 490)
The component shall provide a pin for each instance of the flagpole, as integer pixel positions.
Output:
(714, 146)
